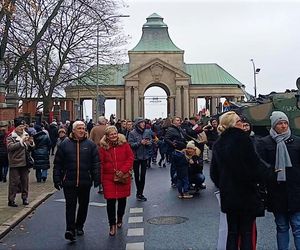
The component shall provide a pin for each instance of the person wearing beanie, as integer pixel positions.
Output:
(140, 143)
(76, 169)
(193, 156)
(235, 170)
(281, 149)
(19, 146)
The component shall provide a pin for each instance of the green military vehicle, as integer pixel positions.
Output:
(258, 112)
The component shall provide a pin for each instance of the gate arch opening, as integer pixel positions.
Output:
(155, 103)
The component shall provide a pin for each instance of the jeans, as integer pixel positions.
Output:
(197, 179)
(183, 184)
(283, 222)
(139, 169)
(173, 171)
(41, 174)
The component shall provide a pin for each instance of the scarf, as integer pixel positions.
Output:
(283, 159)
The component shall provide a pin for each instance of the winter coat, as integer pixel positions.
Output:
(17, 149)
(41, 152)
(282, 197)
(141, 152)
(235, 170)
(3, 149)
(180, 163)
(76, 163)
(212, 136)
(197, 166)
(119, 157)
(53, 133)
(174, 134)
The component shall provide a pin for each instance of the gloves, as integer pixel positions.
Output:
(57, 186)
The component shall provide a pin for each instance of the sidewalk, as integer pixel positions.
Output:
(38, 192)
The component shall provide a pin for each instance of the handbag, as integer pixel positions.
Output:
(29, 160)
(120, 177)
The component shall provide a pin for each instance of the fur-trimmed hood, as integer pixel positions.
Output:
(104, 142)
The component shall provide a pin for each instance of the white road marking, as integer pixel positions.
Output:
(135, 232)
(137, 219)
(135, 246)
(136, 210)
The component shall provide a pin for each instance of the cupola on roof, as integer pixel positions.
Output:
(155, 37)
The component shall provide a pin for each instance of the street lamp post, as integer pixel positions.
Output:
(255, 72)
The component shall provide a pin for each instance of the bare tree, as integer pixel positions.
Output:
(9, 13)
(67, 51)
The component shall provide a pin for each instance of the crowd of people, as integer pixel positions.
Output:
(251, 173)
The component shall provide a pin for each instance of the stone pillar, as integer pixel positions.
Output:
(178, 102)
(171, 108)
(213, 105)
(135, 102)
(142, 107)
(193, 107)
(118, 108)
(186, 106)
(122, 108)
(128, 103)
(94, 105)
(196, 105)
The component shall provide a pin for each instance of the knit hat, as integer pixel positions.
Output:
(61, 130)
(138, 120)
(19, 121)
(76, 123)
(278, 116)
(191, 144)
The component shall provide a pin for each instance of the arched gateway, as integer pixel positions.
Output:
(157, 61)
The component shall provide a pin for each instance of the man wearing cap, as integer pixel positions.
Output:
(18, 146)
(140, 141)
(76, 168)
(281, 150)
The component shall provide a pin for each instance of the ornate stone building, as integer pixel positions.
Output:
(157, 61)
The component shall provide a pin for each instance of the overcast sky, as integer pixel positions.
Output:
(230, 33)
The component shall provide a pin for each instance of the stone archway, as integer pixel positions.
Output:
(155, 103)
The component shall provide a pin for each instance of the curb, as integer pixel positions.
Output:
(9, 225)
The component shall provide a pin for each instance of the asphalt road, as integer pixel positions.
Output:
(44, 229)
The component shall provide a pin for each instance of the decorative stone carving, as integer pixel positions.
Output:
(156, 71)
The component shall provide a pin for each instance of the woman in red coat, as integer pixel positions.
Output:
(116, 157)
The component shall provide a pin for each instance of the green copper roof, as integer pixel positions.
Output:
(210, 73)
(155, 37)
(112, 75)
(109, 75)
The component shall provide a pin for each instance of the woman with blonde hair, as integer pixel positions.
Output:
(235, 170)
(116, 164)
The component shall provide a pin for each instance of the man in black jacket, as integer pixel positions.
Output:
(174, 135)
(76, 167)
(281, 150)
